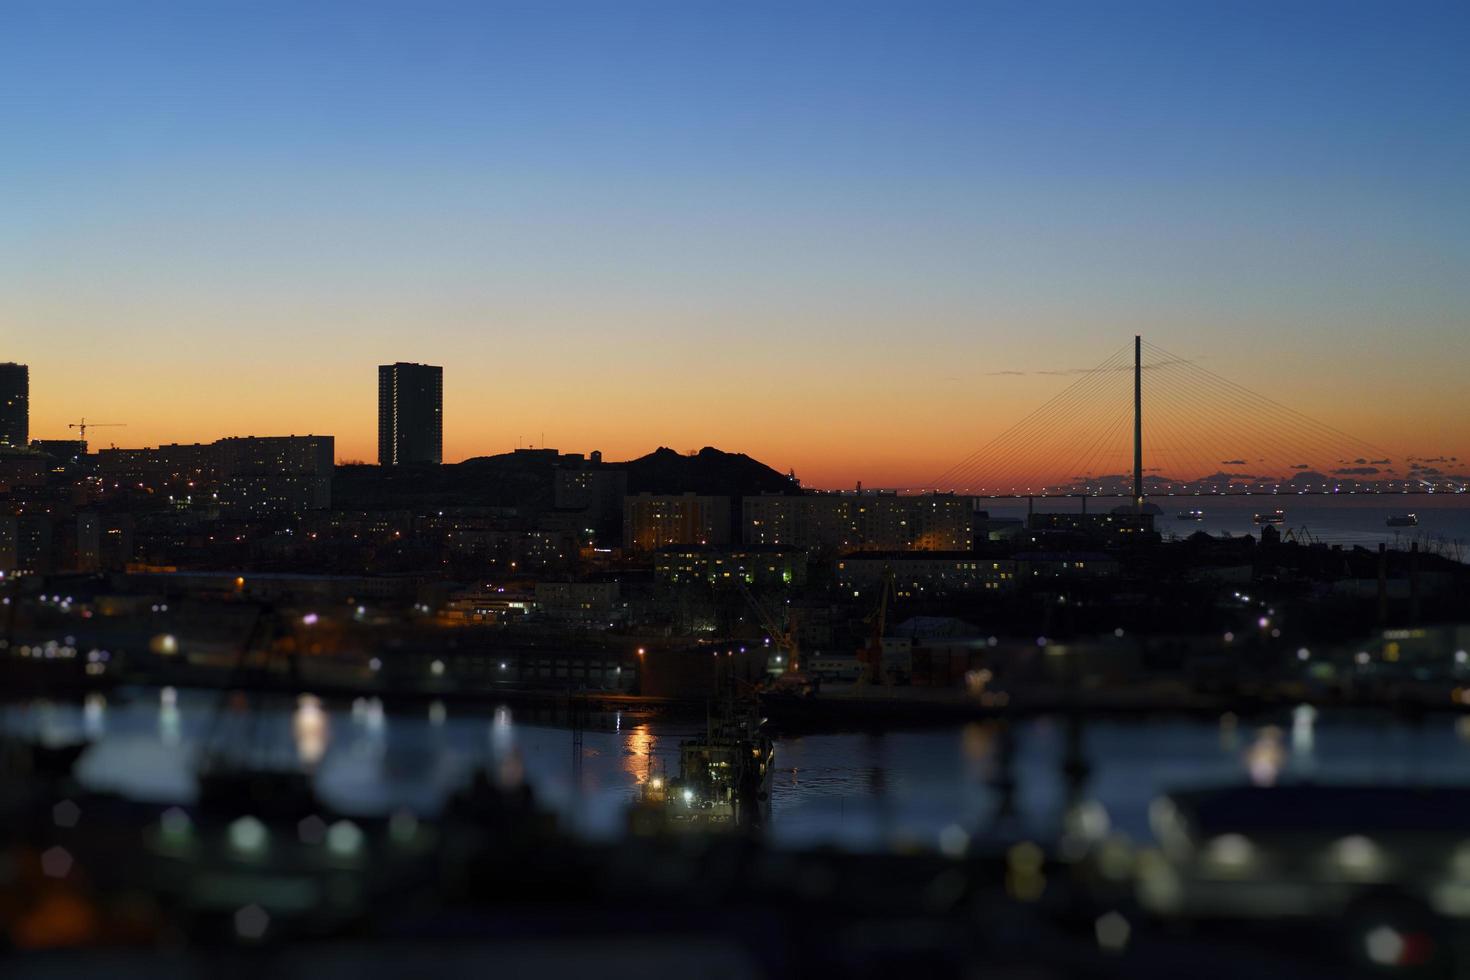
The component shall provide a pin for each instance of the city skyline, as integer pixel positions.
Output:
(784, 487)
(855, 247)
(1080, 428)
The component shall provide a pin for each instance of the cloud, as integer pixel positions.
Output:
(1381, 462)
(1300, 466)
(1357, 471)
(1224, 477)
(1232, 462)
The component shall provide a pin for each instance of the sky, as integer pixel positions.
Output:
(850, 239)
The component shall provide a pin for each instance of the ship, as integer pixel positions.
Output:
(725, 775)
(1403, 520)
(1191, 515)
(1271, 517)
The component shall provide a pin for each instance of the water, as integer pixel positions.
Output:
(856, 791)
(1346, 519)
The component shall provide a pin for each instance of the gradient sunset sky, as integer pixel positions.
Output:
(845, 238)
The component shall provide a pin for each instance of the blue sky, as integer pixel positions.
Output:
(727, 198)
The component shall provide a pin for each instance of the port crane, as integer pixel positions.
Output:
(870, 657)
(82, 425)
(1300, 535)
(783, 638)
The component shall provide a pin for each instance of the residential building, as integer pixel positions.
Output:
(581, 602)
(761, 566)
(251, 475)
(26, 543)
(15, 412)
(652, 521)
(861, 521)
(410, 414)
(595, 491)
(1066, 565)
(260, 476)
(916, 572)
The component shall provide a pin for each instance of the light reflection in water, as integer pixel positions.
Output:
(372, 716)
(169, 729)
(853, 790)
(502, 733)
(310, 730)
(639, 745)
(1303, 736)
(1229, 731)
(94, 715)
(1266, 756)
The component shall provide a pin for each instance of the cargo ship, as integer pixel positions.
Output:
(1191, 515)
(1271, 517)
(1403, 520)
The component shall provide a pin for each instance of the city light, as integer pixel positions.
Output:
(562, 300)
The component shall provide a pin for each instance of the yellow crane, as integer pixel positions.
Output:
(82, 425)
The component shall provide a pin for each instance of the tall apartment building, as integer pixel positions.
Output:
(594, 491)
(262, 475)
(26, 543)
(653, 521)
(410, 414)
(15, 410)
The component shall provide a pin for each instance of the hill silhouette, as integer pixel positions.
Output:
(527, 480)
(709, 471)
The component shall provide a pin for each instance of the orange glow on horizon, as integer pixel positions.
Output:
(848, 423)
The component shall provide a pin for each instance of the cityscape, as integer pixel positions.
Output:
(910, 584)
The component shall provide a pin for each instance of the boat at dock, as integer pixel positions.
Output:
(725, 775)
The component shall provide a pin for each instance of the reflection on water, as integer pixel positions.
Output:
(1033, 778)
(310, 729)
(1265, 757)
(1303, 735)
(94, 715)
(169, 730)
(639, 746)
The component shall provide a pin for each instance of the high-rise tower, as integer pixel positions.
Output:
(15, 411)
(410, 414)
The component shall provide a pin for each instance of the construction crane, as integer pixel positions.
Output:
(82, 425)
(783, 637)
(790, 678)
(870, 657)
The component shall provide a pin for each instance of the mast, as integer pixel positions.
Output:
(1138, 423)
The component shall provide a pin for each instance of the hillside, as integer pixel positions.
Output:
(709, 471)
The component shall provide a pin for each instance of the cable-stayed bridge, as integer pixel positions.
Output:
(1148, 422)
